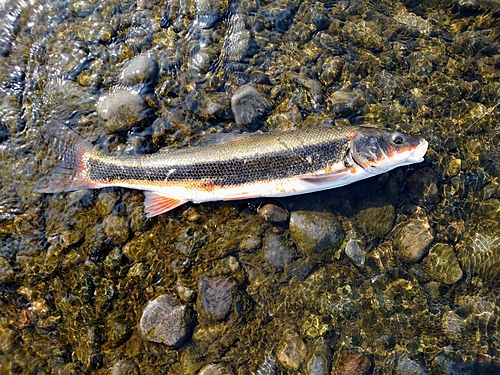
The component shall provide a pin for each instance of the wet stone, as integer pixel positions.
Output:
(351, 362)
(125, 366)
(141, 70)
(355, 250)
(292, 351)
(319, 360)
(116, 228)
(121, 110)
(409, 366)
(376, 221)
(215, 369)
(442, 264)
(275, 251)
(216, 296)
(164, 321)
(250, 242)
(412, 238)
(274, 213)
(318, 234)
(423, 185)
(7, 274)
(249, 107)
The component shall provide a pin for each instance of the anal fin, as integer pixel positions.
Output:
(156, 203)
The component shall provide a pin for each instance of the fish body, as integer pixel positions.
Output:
(273, 164)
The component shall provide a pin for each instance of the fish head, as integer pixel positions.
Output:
(378, 151)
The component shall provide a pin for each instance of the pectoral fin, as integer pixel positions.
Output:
(326, 177)
(156, 204)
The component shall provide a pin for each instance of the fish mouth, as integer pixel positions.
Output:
(418, 153)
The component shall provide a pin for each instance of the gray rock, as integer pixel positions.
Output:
(319, 360)
(355, 250)
(164, 321)
(275, 252)
(216, 369)
(122, 109)
(412, 239)
(125, 366)
(250, 242)
(141, 70)
(249, 106)
(216, 296)
(408, 366)
(274, 213)
(7, 274)
(318, 234)
(292, 351)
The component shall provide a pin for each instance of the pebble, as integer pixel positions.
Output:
(355, 250)
(275, 251)
(292, 351)
(412, 239)
(250, 242)
(274, 213)
(116, 228)
(319, 361)
(350, 362)
(215, 369)
(216, 296)
(409, 366)
(423, 185)
(122, 109)
(125, 366)
(442, 264)
(164, 321)
(141, 70)
(249, 107)
(318, 234)
(376, 220)
(7, 274)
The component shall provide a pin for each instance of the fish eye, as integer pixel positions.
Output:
(397, 138)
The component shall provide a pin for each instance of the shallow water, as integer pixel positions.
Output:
(410, 287)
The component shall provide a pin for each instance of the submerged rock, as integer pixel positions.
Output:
(275, 251)
(122, 109)
(292, 351)
(249, 106)
(274, 213)
(7, 274)
(412, 238)
(350, 362)
(442, 264)
(164, 321)
(216, 369)
(141, 70)
(318, 234)
(216, 296)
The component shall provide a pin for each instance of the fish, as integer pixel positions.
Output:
(255, 165)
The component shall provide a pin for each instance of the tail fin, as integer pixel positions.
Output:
(70, 148)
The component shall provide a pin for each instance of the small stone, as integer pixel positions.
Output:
(319, 361)
(7, 274)
(442, 264)
(275, 252)
(250, 242)
(141, 70)
(318, 234)
(409, 366)
(412, 238)
(216, 369)
(376, 220)
(165, 322)
(122, 110)
(274, 213)
(355, 250)
(125, 366)
(249, 106)
(349, 362)
(116, 228)
(216, 296)
(423, 185)
(292, 351)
